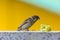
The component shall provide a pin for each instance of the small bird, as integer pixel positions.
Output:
(28, 23)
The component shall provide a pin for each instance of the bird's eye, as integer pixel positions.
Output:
(33, 18)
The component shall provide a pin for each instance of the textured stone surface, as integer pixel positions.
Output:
(29, 36)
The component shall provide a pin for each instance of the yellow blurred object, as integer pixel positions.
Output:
(45, 28)
(13, 13)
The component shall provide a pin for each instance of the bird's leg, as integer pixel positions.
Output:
(26, 30)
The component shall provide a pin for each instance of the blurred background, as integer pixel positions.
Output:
(14, 12)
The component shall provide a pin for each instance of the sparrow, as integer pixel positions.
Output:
(28, 23)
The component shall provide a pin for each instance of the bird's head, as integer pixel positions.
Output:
(34, 18)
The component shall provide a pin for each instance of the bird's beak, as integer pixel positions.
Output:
(38, 17)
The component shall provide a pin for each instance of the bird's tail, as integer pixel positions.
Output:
(19, 29)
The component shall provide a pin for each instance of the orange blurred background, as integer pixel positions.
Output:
(13, 13)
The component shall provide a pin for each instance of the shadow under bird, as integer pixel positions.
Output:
(28, 23)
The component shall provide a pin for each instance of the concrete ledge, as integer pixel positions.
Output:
(29, 36)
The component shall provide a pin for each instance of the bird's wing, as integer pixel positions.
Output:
(24, 24)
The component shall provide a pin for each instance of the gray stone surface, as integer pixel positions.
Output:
(29, 36)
